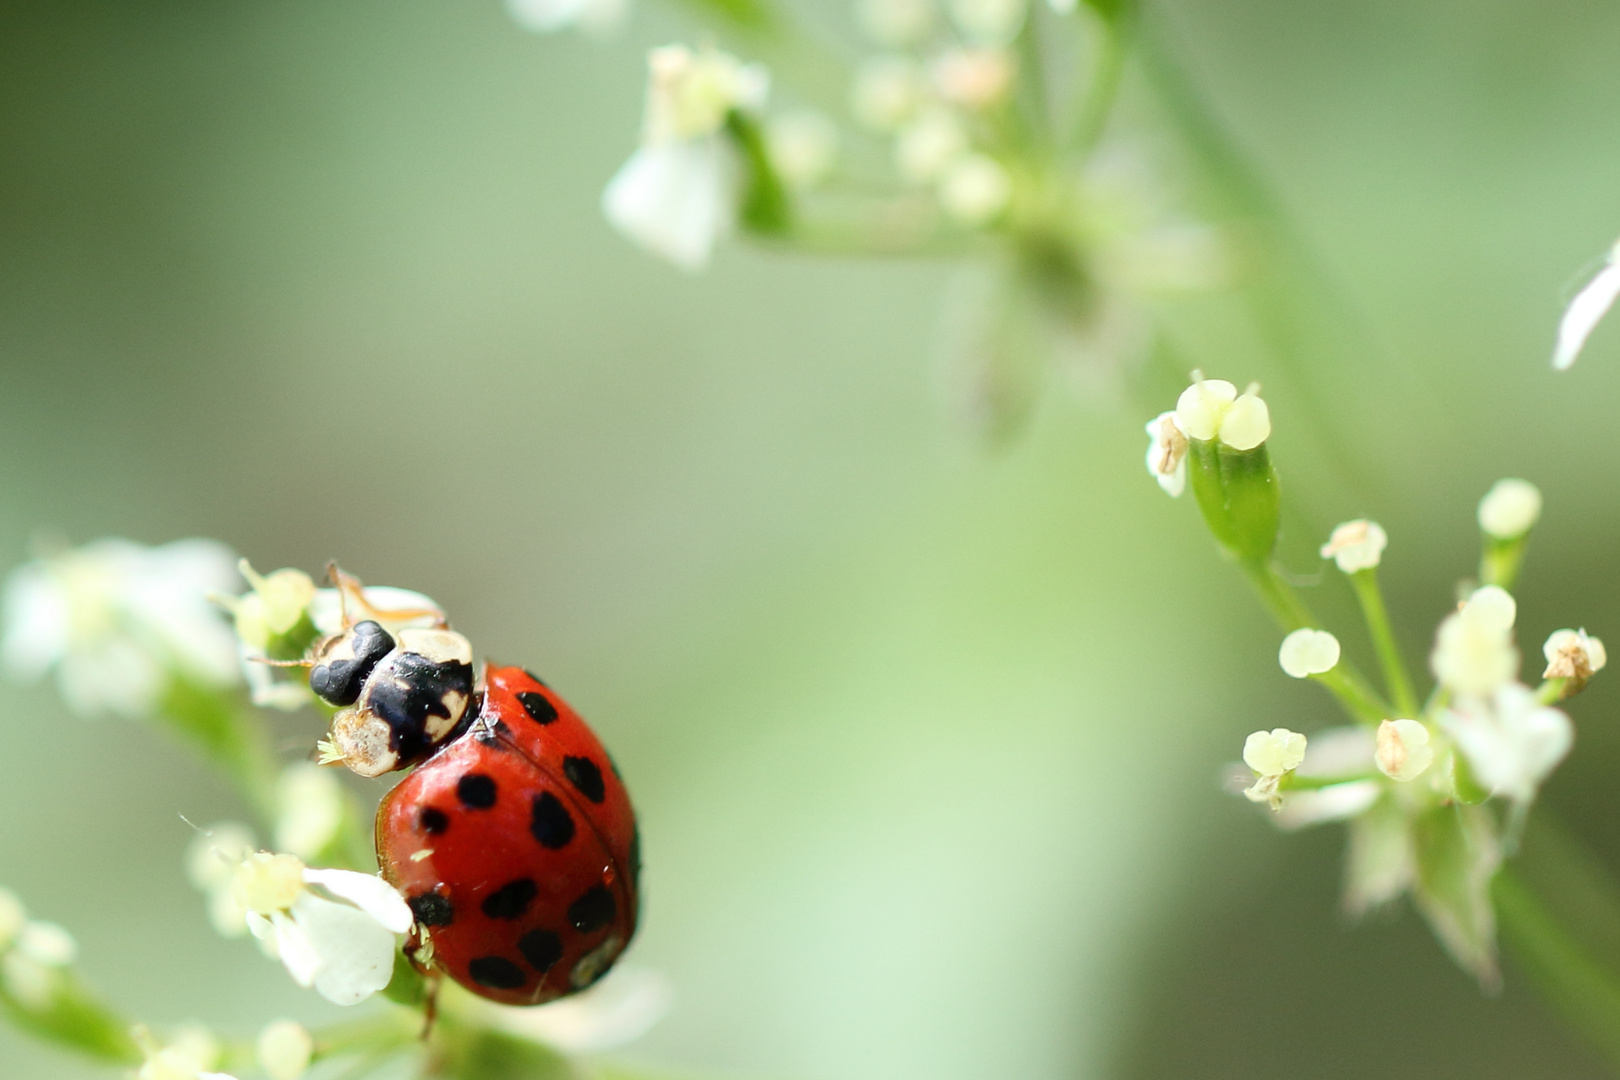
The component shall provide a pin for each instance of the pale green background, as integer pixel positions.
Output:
(924, 738)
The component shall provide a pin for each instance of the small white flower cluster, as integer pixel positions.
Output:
(284, 1049)
(33, 953)
(1484, 735)
(934, 90)
(677, 195)
(118, 623)
(332, 929)
(1208, 410)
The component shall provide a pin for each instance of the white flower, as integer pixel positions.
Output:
(1573, 654)
(1308, 652)
(117, 620)
(31, 967)
(1510, 509)
(211, 863)
(973, 78)
(1356, 545)
(1212, 408)
(1473, 651)
(311, 809)
(617, 1010)
(1586, 310)
(929, 145)
(887, 92)
(1167, 453)
(284, 1049)
(975, 190)
(344, 948)
(676, 196)
(1511, 740)
(1403, 749)
(188, 1056)
(803, 146)
(989, 22)
(896, 23)
(1271, 754)
(598, 17)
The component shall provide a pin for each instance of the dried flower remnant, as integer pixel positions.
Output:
(1403, 751)
(1167, 454)
(1574, 655)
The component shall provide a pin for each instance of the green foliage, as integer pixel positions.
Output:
(72, 1016)
(765, 209)
(1457, 856)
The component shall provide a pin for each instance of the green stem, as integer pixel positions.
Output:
(1103, 89)
(1383, 638)
(72, 1016)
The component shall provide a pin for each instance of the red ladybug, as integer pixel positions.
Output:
(516, 847)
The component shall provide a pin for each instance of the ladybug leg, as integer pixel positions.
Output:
(352, 599)
(430, 1007)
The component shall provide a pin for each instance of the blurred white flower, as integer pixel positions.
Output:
(598, 17)
(1356, 545)
(1573, 654)
(211, 863)
(887, 91)
(619, 1009)
(31, 967)
(1307, 652)
(1587, 310)
(896, 23)
(973, 78)
(1473, 652)
(117, 620)
(803, 146)
(1510, 739)
(1335, 802)
(1510, 509)
(343, 947)
(975, 190)
(676, 196)
(989, 22)
(1403, 749)
(284, 1049)
(1167, 454)
(310, 808)
(12, 917)
(188, 1056)
(929, 145)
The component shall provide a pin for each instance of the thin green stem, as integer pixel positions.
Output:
(1383, 638)
(1103, 89)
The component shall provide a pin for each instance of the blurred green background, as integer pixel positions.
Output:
(924, 738)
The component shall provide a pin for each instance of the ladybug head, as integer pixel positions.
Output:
(342, 662)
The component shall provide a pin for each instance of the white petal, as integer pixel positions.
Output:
(356, 956)
(674, 199)
(1584, 313)
(1335, 802)
(36, 622)
(368, 892)
(295, 947)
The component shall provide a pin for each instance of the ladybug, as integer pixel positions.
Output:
(516, 847)
(399, 696)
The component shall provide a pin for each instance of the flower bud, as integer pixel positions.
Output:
(975, 190)
(1403, 749)
(1491, 606)
(887, 92)
(1247, 422)
(1473, 652)
(47, 943)
(1308, 652)
(1274, 752)
(284, 1050)
(1573, 654)
(12, 918)
(1203, 405)
(1231, 470)
(1510, 509)
(973, 78)
(1356, 545)
(803, 146)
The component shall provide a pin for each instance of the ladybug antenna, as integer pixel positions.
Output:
(352, 596)
(266, 661)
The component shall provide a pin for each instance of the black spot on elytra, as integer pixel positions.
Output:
(635, 857)
(538, 706)
(585, 776)
(535, 677)
(433, 909)
(413, 688)
(432, 820)
(594, 909)
(541, 948)
(339, 682)
(497, 973)
(511, 900)
(550, 822)
(476, 791)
